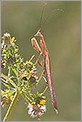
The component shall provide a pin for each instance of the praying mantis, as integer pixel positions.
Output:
(43, 50)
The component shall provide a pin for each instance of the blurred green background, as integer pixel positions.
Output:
(62, 34)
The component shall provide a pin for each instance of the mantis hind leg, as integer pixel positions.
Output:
(42, 76)
(44, 90)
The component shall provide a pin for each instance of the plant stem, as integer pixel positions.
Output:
(11, 105)
(16, 73)
(6, 78)
(26, 98)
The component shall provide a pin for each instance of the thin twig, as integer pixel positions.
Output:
(11, 106)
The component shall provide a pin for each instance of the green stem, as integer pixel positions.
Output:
(11, 106)
(16, 73)
(5, 83)
(6, 78)
(26, 98)
(9, 70)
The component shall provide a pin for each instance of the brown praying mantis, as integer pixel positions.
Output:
(42, 50)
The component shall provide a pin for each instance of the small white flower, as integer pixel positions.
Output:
(36, 111)
(6, 34)
(29, 106)
(30, 109)
(43, 107)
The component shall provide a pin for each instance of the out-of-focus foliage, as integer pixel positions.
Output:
(63, 37)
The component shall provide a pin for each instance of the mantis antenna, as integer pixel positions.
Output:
(42, 15)
(54, 10)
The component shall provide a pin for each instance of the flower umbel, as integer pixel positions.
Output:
(20, 79)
